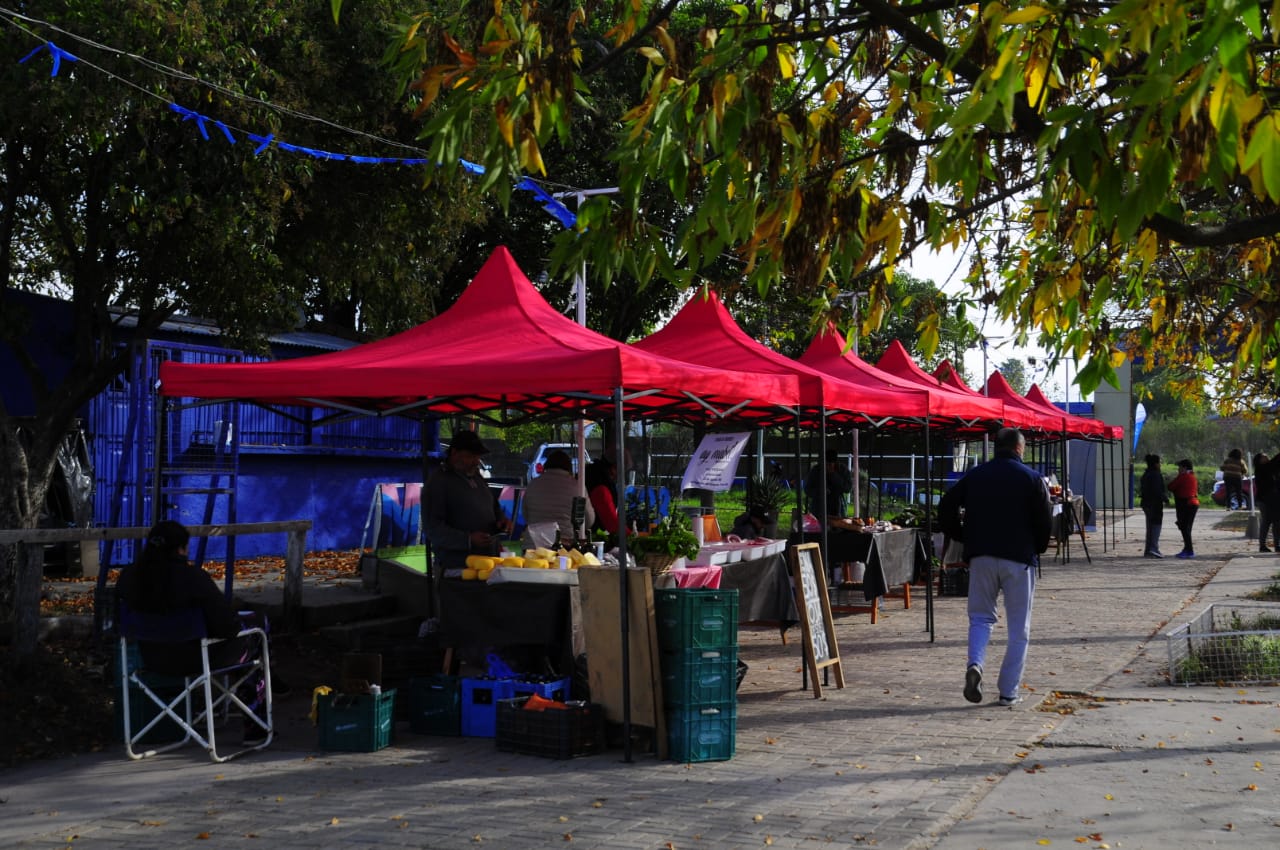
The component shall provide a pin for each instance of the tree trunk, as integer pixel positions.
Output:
(21, 567)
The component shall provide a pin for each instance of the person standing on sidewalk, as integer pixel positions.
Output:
(1233, 479)
(1186, 503)
(1001, 511)
(1266, 495)
(1154, 497)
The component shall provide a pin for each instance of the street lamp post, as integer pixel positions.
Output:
(580, 304)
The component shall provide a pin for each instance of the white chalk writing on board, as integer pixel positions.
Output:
(813, 607)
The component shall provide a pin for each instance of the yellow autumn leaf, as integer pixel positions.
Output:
(1025, 16)
(1044, 842)
(506, 125)
(668, 44)
(1034, 77)
(531, 154)
(652, 54)
(1218, 98)
(786, 62)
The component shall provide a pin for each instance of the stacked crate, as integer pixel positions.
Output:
(698, 640)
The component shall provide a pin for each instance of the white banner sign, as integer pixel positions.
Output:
(715, 463)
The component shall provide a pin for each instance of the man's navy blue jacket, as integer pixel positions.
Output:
(1006, 510)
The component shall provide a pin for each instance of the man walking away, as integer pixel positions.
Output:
(1001, 511)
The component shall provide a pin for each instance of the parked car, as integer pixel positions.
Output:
(1238, 503)
(539, 461)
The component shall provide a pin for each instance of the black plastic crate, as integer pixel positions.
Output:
(953, 581)
(558, 733)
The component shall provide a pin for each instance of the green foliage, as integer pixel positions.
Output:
(1233, 656)
(672, 536)
(110, 199)
(1205, 441)
(1107, 169)
(766, 495)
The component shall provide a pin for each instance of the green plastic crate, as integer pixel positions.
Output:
(705, 733)
(697, 677)
(696, 618)
(435, 705)
(356, 723)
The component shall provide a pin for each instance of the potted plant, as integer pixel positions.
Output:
(765, 497)
(670, 539)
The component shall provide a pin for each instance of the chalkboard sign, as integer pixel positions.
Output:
(820, 648)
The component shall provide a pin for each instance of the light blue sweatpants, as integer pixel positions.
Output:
(987, 578)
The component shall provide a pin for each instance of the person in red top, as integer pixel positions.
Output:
(602, 482)
(1185, 504)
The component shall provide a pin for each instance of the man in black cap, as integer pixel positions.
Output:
(460, 513)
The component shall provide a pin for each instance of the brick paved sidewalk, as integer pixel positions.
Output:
(892, 760)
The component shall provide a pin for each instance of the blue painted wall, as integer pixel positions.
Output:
(334, 493)
(326, 474)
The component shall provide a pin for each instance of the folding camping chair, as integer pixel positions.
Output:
(198, 697)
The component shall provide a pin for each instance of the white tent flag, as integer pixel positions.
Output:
(715, 463)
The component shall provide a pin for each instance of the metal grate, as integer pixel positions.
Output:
(1227, 643)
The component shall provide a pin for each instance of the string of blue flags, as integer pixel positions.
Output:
(203, 123)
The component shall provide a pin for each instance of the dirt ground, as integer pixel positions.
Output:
(64, 702)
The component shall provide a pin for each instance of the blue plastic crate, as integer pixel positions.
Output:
(356, 723)
(480, 705)
(698, 677)
(696, 618)
(704, 733)
(556, 689)
(435, 705)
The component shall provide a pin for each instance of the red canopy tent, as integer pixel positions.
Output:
(897, 361)
(704, 332)
(1051, 423)
(501, 346)
(1015, 416)
(827, 353)
(1076, 425)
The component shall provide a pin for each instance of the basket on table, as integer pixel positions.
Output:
(657, 563)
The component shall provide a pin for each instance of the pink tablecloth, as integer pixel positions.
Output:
(708, 576)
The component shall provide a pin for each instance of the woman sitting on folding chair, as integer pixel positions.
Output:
(163, 581)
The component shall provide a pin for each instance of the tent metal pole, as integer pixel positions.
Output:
(620, 497)
(798, 519)
(928, 531)
(821, 508)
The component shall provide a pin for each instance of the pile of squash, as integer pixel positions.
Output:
(480, 567)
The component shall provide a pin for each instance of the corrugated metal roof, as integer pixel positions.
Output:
(203, 327)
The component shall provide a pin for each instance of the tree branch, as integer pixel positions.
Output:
(1215, 235)
(659, 15)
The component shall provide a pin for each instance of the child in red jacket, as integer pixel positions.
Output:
(1185, 504)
